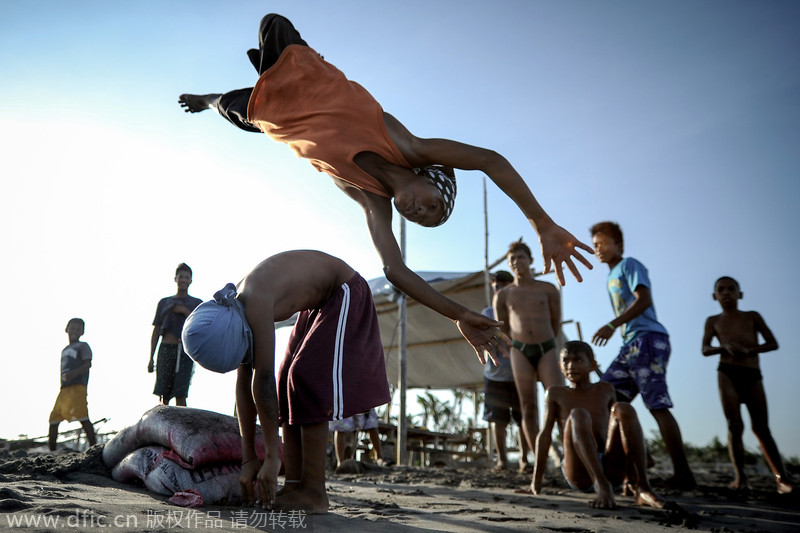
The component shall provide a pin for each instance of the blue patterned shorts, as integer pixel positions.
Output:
(641, 367)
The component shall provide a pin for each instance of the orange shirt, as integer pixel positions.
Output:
(307, 103)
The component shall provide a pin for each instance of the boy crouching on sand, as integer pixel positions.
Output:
(603, 441)
(333, 367)
(739, 378)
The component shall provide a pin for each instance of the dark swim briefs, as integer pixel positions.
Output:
(742, 377)
(534, 352)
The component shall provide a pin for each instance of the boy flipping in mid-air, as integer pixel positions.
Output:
(307, 103)
(739, 377)
(603, 441)
(333, 367)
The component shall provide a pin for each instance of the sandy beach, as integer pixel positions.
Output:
(44, 492)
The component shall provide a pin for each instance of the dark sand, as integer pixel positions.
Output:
(76, 490)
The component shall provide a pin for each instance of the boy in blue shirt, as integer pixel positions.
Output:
(641, 366)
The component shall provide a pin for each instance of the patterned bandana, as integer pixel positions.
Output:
(446, 185)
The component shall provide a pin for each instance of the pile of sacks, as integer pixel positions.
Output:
(192, 455)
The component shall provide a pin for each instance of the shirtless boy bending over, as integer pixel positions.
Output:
(333, 368)
(603, 441)
(739, 377)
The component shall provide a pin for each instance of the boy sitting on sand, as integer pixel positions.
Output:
(333, 368)
(603, 441)
(307, 103)
(739, 377)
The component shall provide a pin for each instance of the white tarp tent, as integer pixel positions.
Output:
(438, 357)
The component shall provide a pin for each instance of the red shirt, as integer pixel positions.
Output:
(307, 103)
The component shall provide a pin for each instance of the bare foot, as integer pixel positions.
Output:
(605, 497)
(525, 490)
(650, 499)
(302, 498)
(526, 468)
(738, 484)
(783, 486)
(628, 489)
(288, 486)
(499, 467)
(194, 103)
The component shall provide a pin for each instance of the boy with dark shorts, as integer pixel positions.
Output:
(641, 366)
(307, 103)
(603, 440)
(173, 368)
(740, 380)
(531, 314)
(333, 368)
(501, 401)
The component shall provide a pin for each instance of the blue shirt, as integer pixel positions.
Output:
(622, 281)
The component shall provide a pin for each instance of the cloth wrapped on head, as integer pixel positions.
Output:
(216, 334)
(445, 184)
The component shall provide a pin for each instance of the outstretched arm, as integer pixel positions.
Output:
(558, 245)
(480, 331)
(642, 300)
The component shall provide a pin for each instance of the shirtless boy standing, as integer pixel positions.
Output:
(531, 314)
(739, 377)
(333, 368)
(602, 437)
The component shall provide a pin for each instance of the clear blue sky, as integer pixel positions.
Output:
(680, 120)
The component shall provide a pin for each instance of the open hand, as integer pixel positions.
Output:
(484, 335)
(601, 336)
(560, 246)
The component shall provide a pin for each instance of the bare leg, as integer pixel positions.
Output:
(524, 464)
(375, 441)
(525, 378)
(310, 494)
(499, 432)
(582, 465)
(180, 401)
(52, 436)
(730, 406)
(756, 403)
(550, 374)
(195, 103)
(340, 445)
(88, 427)
(626, 448)
(548, 370)
(682, 479)
(292, 457)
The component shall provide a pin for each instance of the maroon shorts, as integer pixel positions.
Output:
(334, 366)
